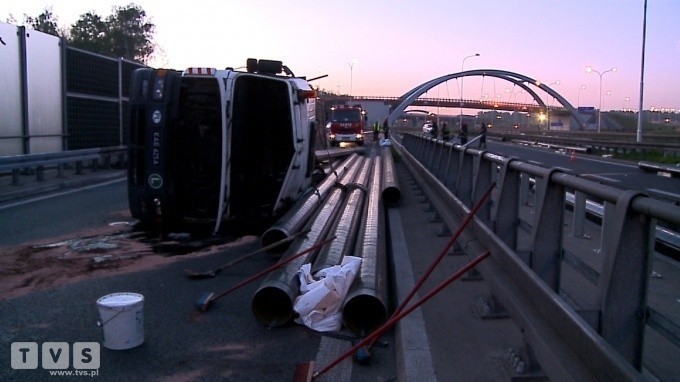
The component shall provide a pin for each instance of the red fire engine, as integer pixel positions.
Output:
(347, 124)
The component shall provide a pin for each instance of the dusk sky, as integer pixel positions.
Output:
(396, 45)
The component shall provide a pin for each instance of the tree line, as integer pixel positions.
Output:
(127, 32)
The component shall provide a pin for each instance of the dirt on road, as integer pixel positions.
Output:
(96, 252)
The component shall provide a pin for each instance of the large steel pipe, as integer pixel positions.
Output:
(347, 225)
(299, 215)
(391, 193)
(365, 307)
(273, 301)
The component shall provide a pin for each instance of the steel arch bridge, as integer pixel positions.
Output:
(526, 83)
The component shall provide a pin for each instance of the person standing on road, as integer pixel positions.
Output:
(386, 128)
(463, 133)
(435, 130)
(482, 139)
(446, 134)
(376, 130)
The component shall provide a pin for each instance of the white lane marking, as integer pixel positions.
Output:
(50, 196)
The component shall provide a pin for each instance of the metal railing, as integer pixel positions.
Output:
(583, 318)
(103, 157)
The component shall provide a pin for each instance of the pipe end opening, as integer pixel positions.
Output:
(272, 306)
(364, 313)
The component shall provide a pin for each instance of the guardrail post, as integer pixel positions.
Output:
(60, 170)
(419, 146)
(443, 163)
(40, 173)
(622, 288)
(452, 166)
(546, 235)
(524, 188)
(507, 208)
(438, 161)
(579, 214)
(431, 154)
(16, 175)
(424, 150)
(464, 179)
(607, 220)
(483, 179)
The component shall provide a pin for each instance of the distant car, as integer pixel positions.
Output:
(427, 128)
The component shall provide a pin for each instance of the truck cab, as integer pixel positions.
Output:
(208, 146)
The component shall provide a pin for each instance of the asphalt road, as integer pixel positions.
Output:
(615, 173)
(63, 212)
(224, 343)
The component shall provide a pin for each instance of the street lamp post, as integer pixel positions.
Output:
(462, 66)
(589, 69)
(547, 109)
(578, 102)
(351, 75)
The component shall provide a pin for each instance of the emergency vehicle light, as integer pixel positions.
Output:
(200, 71)
(304, 94)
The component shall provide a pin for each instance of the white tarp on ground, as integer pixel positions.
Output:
(321, 296)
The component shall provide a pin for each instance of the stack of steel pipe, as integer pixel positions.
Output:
(299, 215)
(391, 193)
(365, 307)
(273, 301)
(348, 224)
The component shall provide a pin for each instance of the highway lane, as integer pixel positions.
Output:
(61, 213)
(615, 173)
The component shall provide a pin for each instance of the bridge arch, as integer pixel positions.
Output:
(518, 79)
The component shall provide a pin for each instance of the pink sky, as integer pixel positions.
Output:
(400, 44)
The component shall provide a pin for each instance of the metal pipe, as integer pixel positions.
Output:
(347, 225)
(391, 193)
(299, 215)
(273, 301)
(365, 307)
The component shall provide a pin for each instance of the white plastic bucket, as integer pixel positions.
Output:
(122, 318)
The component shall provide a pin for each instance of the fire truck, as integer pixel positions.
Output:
(347, 124)
(209, 146)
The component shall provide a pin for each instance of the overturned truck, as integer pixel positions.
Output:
(208, 146)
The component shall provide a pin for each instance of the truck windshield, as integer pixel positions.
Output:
(349, 115)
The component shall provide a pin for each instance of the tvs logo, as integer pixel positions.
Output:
(55, 355)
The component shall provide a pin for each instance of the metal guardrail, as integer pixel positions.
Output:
(673, 171)
(594, 144)
(568, 148)
(37, 163)
(597, 338)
